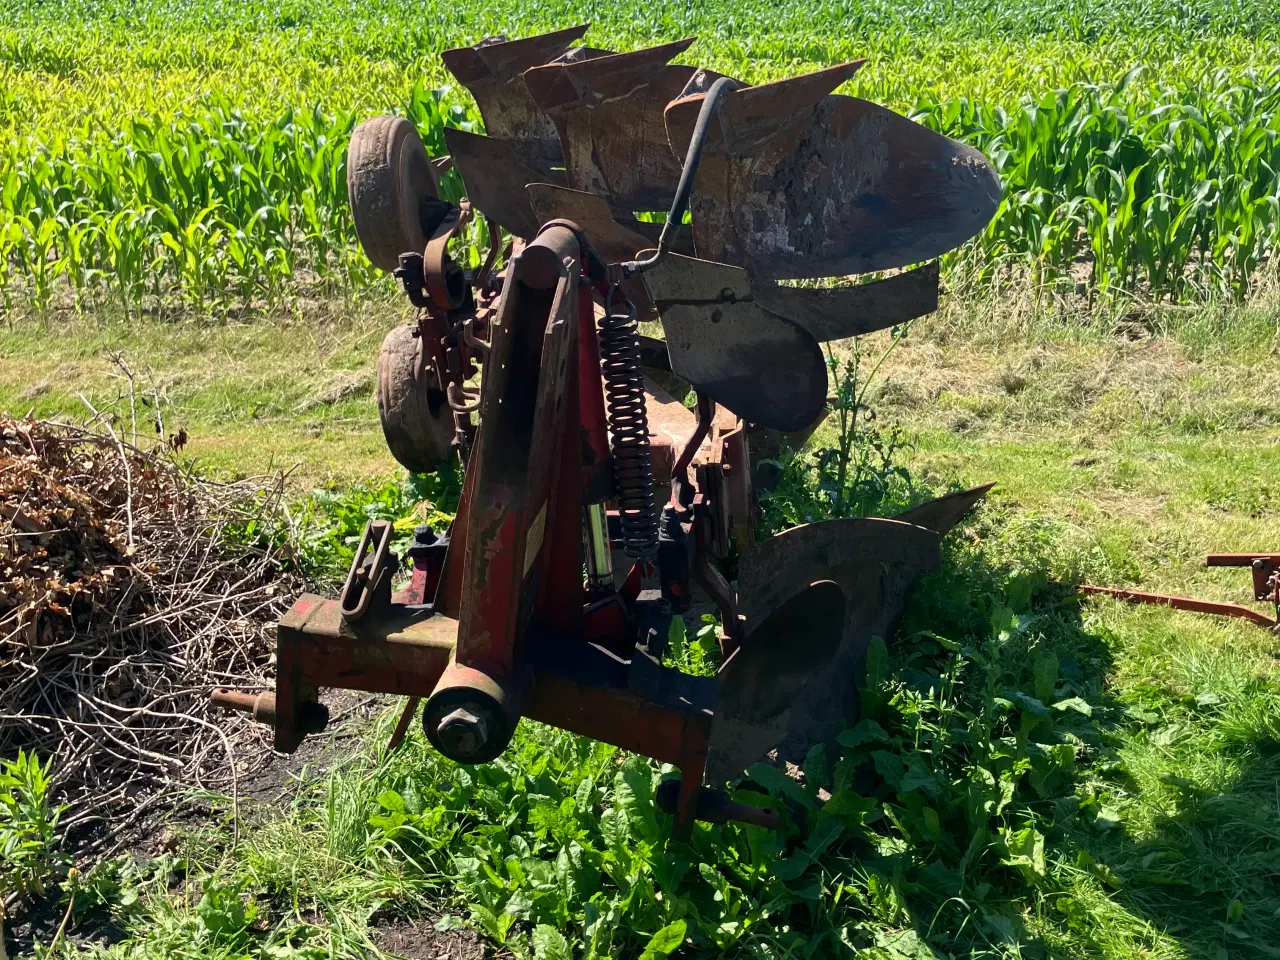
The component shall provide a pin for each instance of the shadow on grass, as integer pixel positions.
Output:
(998, 800)
(1164, 838)
(1195, 854)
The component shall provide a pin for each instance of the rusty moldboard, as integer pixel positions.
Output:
(837, 313)
(609, 114)
(873, 565)
(765, 369)
(795, 186)
(493, 72)
(943, 513)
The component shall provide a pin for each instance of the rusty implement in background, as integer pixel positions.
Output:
(1265, 571)
(596, 507)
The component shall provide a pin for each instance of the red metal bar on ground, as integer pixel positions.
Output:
(1184, 603)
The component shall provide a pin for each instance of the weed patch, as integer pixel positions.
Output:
(30, 858)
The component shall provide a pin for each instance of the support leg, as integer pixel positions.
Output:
(692, 764)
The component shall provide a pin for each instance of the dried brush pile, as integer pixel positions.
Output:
(122, 603)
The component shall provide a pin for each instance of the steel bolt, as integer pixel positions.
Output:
(462, 734)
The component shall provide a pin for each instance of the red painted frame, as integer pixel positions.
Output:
(518, 535)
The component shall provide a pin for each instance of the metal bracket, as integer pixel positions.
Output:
(371, 571)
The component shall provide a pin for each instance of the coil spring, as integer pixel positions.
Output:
(628, 425)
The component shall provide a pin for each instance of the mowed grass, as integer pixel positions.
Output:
(291, 394)
(1123, 448)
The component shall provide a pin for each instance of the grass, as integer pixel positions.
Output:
(1150, 835)
(289, 393)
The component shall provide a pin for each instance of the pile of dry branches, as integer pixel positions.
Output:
(122, 603)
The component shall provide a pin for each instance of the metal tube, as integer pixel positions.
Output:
(675, 218)
(599, 553)
(542, 261)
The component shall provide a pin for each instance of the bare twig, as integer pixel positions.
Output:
(118, 359)
(125, 606)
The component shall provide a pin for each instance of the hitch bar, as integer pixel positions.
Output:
(1265, 568)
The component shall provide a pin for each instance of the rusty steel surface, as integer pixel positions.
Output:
(828, 314)
(508, 508)
(444, 281)
(945, 512)
(614, 239)
(316, 646)
(837, 313)
(560, 600)
(312, 717)
(472, 713)
(1264, 568)
(1240, 559)
(765, 369)
(372, 570)
(671, 425)
(735, 468)
(493, 73)
(495, 173)
(400, 655)
(797, 183)
(412, 659)
(872, 565)
(448, 599)
(617, 716)
(765, 676)
(609, 112)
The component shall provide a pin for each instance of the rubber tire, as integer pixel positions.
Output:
(416, 420)
(388, 176)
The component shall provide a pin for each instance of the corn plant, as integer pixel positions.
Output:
(123, 188)
(1173, 197)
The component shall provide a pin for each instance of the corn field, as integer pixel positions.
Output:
(212, 210)
(1180, 198)
(193, 154)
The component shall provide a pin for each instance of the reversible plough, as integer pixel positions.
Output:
(596, 506)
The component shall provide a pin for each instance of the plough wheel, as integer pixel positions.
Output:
(388, 177)
(416, 420)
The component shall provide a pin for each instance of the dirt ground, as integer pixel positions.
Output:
(421, 941)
